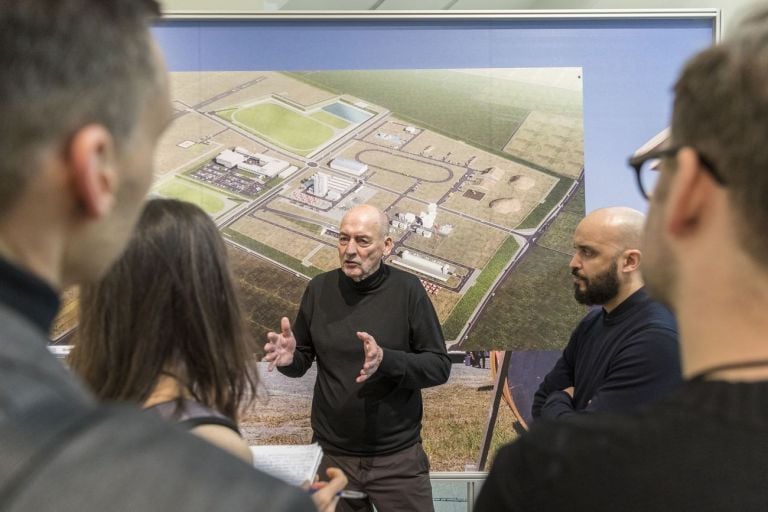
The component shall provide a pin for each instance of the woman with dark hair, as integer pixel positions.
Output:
(164, 327)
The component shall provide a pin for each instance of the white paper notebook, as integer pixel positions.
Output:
(294, 464)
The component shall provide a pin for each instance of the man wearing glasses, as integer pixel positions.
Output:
(704, 447)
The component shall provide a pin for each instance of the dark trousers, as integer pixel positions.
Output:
(395, 482)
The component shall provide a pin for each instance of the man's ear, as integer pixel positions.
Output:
(631, 260)
(690, 190)
(90, 158)
(388, 245)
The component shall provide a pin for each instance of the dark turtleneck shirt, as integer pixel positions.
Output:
(615, 361)
(383, 414)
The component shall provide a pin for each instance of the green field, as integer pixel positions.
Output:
(282, 126)
(559, 234)
(183, 190)
(325, 117)
(463, 310)
(577, 202)
(483, 111)
(533, 309)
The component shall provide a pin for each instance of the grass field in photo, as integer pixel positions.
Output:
(282, 126)
(533, 309)
(329, 119)
(183, 190)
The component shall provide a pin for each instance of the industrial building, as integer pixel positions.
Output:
(348, 166)
(434, 269)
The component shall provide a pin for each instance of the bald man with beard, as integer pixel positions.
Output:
(625, 353)
(705, 446)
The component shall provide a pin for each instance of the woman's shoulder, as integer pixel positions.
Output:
(225, 438)
(206, 423)
(191, 414)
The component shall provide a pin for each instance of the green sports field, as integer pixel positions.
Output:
(284, 127)
(325, 117)
(206, 199)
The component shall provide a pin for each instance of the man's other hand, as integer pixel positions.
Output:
(280, 347)
(373, 356)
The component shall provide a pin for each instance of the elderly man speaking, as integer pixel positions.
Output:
(377, 342)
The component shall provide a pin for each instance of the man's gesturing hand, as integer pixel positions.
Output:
(373, 356)
(280, 347)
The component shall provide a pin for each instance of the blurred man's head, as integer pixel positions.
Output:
(83, 100)
(711, 199)
(364, 241)
(606, 260)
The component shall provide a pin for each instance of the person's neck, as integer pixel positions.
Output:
(371, 281)
(625, 291)
(721, 320)
(30, 249)
(166, 389)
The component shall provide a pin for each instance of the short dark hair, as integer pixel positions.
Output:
(65, 64)
(721, 109)
(168, 304)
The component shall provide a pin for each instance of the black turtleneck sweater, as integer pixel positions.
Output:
(615, 361)
(383, 414)
(703, 448)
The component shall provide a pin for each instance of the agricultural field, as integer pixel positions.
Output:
(326, 258)
(559, 235)
(284, 240)
(191, 127)
(464, 309)
(485, 110)
(550, 140)
(533, 309)
(267, 293)
(307, 228)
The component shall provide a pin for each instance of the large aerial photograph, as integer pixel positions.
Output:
(480, 172)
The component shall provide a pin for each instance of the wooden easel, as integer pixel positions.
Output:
(499, 385)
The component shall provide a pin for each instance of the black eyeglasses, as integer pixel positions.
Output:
(647, 164)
